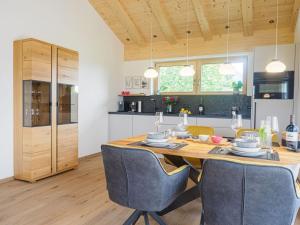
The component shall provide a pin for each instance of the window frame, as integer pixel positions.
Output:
(197, 78)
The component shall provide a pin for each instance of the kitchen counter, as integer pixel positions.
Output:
(216, 115)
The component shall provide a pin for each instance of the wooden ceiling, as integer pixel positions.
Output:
(252, 22)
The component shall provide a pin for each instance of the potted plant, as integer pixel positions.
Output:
(169, 102)
(237, 85)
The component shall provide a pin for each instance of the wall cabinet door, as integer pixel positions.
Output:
(67, 66)
(36, 152)
(36, 61)
(120, 126)
(143, 125)
(67, 147)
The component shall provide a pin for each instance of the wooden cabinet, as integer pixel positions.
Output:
(36, 60)
(67, 147)
(67, 66)
(42, 147)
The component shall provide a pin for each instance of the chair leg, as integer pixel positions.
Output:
(157, 218)
(133, 217)
(146, 219)
(202, 218)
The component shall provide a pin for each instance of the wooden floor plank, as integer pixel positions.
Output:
(77, 197)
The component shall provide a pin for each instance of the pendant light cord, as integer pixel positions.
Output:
(151, 36)
(187, 32)
(276, 41)
(228, 27)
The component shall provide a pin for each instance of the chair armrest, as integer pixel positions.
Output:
(178, 170)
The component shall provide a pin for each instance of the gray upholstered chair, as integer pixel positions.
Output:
(237, 194)
(136, 179)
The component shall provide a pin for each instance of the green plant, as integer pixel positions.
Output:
(237, 85)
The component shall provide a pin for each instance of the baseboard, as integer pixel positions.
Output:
(89, 156)
(5, 180)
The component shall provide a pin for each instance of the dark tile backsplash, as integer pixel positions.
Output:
(214, 104)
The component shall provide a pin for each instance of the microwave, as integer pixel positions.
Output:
(274, 85)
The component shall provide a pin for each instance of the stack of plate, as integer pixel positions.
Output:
(157, 139)
(249, 148)
(181, 132)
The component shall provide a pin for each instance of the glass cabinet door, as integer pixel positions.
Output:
(36, 103)
(67, 104)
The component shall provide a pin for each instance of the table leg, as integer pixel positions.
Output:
(186, 197)
(190, 194)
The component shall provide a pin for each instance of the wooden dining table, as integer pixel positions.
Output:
(200, 150)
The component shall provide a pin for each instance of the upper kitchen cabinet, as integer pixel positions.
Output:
(36, 60)
(263, 55)
(67, 66)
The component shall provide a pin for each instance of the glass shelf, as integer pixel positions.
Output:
(67, 104)
(36, 104)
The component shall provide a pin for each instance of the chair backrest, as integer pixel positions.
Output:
(134, 178)
(197, 130)
(238, 194)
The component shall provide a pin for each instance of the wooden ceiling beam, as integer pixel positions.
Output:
(161, 17)
(295, 13)
(202, 19)
(247, 14)
(126, 21)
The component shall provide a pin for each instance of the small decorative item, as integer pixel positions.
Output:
(128, 82)
(169, 102)
(237, 85)
(144, 83)
(185, 111)
(136, 82)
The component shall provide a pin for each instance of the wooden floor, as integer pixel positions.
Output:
(73, 198)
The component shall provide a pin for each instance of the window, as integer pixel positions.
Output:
(207, 79)
(170, 81)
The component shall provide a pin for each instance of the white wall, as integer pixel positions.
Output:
(73, 24)
(297, 64)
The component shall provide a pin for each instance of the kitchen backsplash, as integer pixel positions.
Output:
(214, 104)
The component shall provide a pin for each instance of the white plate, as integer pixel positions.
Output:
(157, 140)
(157, 145)
(250, 154)
(236, 148)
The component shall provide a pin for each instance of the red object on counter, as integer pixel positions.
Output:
(125, 93)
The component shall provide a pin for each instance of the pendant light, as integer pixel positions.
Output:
(187, 70)
(276, 66)
(151, 72)
(227, 68)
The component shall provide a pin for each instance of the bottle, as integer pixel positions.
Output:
(292, 135)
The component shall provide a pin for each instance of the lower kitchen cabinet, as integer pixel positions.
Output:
(222, 126)
(142, 124)
(124, 126)
(120, 126)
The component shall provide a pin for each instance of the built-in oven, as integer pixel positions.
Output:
(274, 85)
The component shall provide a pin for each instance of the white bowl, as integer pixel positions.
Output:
(242, 143)
(203, 137)
(156, 135)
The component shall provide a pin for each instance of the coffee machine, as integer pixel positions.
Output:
(133, 107)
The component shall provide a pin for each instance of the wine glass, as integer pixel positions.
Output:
(236, 123)
(158, 120)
